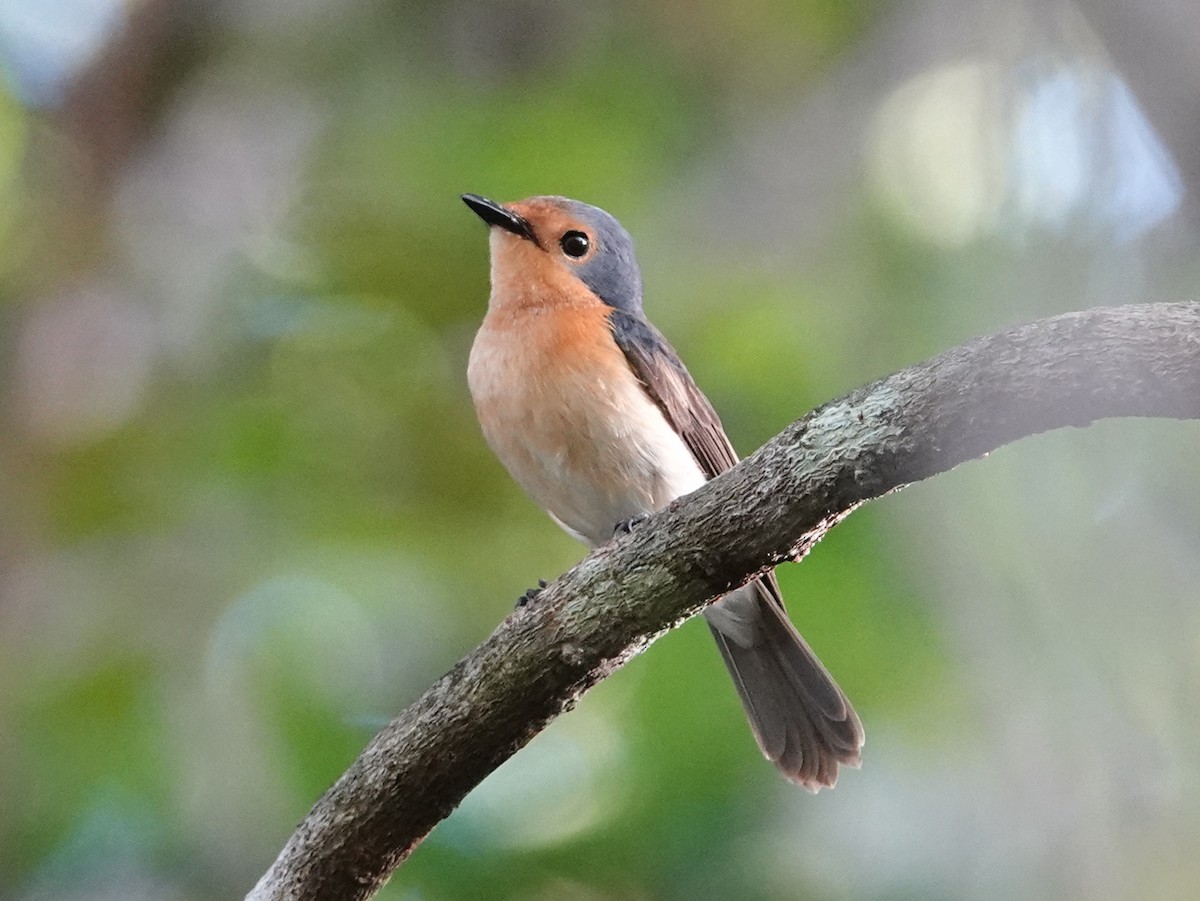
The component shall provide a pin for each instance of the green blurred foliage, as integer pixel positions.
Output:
(248, 514)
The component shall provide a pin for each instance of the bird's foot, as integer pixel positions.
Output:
(531, 594)
(626, 526)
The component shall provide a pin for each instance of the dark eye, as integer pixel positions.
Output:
(574, 244)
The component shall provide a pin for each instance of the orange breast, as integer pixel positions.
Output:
(543, 381)
(562, 410)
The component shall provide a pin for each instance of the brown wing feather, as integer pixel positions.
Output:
(672, 388)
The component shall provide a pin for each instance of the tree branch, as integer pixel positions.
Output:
(1070, 370)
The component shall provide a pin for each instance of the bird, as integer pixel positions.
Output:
(595, 416)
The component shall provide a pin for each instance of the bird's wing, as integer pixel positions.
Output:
(687, 410)
(670, 386)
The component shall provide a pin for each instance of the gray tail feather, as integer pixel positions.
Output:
(803, 722)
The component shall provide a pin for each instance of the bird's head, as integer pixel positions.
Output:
(550, 247)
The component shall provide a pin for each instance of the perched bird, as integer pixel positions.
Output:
(593, 413)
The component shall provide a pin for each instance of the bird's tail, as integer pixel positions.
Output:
(802, 720)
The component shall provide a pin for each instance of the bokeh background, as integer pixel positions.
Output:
(246, 514)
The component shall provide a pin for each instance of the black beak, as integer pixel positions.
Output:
(494, 214)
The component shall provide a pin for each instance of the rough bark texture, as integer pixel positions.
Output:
(1071, 370)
